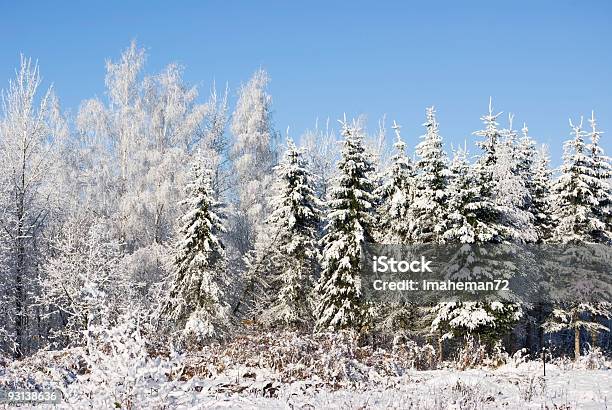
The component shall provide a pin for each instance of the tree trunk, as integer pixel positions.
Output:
(594, 335)
(577, 343)
(19, 278)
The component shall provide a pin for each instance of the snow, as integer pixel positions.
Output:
(515, 385)
(93, 249)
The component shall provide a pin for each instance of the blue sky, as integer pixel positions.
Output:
(542, 60)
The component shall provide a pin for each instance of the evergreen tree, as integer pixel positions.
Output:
(580, 220)
(510, 192)
(394, 226)
(480, 214)
(196, 302)
(486, 215)
(429, 207)
(526, 159)
(294, 252)
(602, 172)
(462, 191)
(541, 186)
(350, 225)
(577, 194)
(395, 196)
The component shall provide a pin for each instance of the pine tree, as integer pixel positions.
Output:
(294, 252)
(196, 302)
(350, 225)
(394, 226)
(429, 206)
(395, 196)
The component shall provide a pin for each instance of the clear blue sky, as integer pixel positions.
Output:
(542, 60)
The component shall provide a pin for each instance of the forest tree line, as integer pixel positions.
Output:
(199, 218)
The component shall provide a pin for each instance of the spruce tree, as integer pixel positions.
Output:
(578, 192)
(479, 214)
(394, 226)
(350, 225)
(429, 207)
(396, 195)
(462, 191)
(510, 192)
(602, 172)
(486, 215)
(541, 191)
(578, 195)
(294, 252)
(526, 153)
(196, 300)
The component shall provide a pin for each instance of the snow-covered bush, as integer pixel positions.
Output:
(519, 357)
(497, 357)
(594, 359)
(333, 359)
(120, 371)
(471, 354)
(419, 357)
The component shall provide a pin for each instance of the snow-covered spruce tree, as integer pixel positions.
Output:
(478, 216)
(462, 191)
(541, 191)
(350, 225)
(510, 190)
(602, 172)
(486, 215)
(429, 207)
(293, 251)
(576, 197)
(486, 320)
(393, 226)
(196, 302)
(526, 155)
(254, 155)
(395, 195)
(577, 194)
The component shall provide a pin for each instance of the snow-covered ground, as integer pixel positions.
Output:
(510, 386)
(286, 370)
(523, 387)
